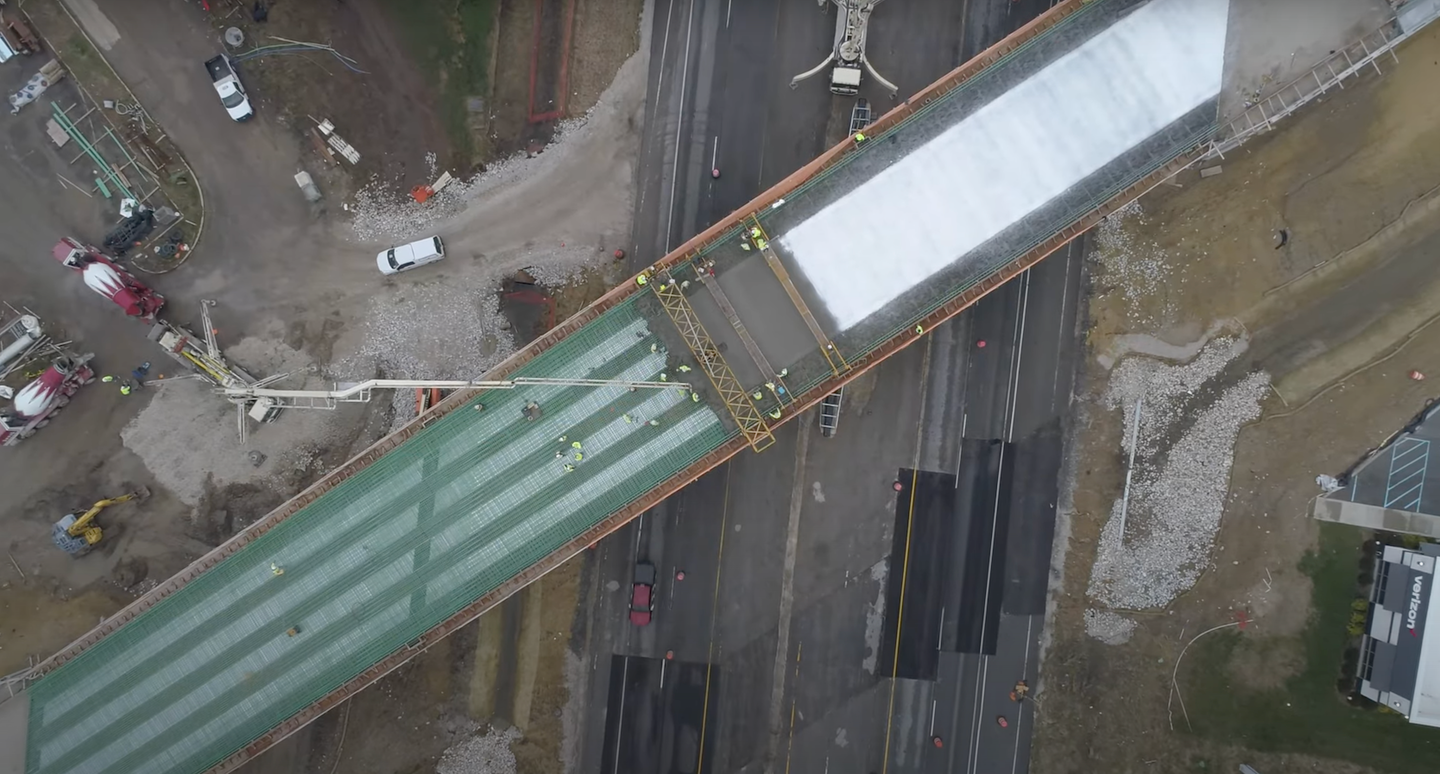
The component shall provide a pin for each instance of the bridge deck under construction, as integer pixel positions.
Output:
(444, 519)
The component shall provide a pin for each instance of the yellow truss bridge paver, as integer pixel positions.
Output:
(723, 301)
(827, 348)
(747, 417)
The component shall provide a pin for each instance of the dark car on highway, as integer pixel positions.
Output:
(642, 594)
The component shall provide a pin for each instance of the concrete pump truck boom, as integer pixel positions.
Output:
(848, 56)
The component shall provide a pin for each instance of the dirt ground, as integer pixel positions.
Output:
(323, 311)
(1337, 317)
(393, 131)
(511, 667)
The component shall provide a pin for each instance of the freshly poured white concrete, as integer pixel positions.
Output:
(1011, 156)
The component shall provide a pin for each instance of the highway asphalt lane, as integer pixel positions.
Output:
(1018, 391)
(654, 714)
(720, 98)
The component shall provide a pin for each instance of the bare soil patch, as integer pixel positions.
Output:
(394, 112)
(1348, 179)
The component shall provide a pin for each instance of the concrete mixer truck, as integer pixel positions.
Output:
(34, 405)
(107, 278)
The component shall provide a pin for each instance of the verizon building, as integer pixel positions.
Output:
(1400, 662)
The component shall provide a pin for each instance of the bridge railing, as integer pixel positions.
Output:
(1261, 114)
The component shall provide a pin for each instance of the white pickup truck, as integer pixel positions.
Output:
(227, 83)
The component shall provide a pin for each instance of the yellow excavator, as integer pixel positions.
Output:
(77, 533)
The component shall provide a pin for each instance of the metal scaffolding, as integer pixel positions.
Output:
(747, 417)
(837, 362)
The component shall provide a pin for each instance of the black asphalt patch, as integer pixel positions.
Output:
(984, 494)
(655, 716)
(1032, 524)
(924, 522)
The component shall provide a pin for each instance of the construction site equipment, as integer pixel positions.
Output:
(360, 392)
(19, 38)
(77, 533)
(830, 413)
(209, 364)
(107, 278)
(859, 115)
(50, 73)
(130, 232)
(837, 361)
(493, 514)
(848, 56)
(33, 406)
(21, 337)
(307, 186)
(747, 418)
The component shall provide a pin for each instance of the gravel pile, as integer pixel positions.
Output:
(187, 434)
(1136, 270)
(1188, 428)
(432, 330)
(1169, 390)
(377, 215)
(487, 753)
(1108, 626)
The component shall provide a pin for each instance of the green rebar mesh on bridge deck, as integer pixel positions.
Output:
(448, 516)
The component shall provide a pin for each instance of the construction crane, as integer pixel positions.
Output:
(848, 55)
(360, 392)
(77, 533)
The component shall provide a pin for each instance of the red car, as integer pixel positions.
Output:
(642, 594)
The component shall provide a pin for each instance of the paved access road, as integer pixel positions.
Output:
(786, 555)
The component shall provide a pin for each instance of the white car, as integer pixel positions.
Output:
(229, 87)
(406, 257)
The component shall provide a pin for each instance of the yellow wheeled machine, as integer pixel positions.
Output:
(77, 533)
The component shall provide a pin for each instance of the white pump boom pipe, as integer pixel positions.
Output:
(359, 391)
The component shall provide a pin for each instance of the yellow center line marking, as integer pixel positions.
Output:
(900, 619)
(714, 611)
(793, 699)
(905, 563)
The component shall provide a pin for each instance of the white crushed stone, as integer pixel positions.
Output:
(1177, 493)
(487, 753)
(187, 433)
(378, 216)
(1108, 626)
(438, 329)
(1140, 272)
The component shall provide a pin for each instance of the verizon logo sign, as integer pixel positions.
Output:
(1416, 587)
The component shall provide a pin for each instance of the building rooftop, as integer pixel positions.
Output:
(1400, 659)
